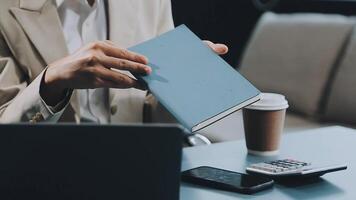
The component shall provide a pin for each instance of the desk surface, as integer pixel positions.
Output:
(335, 145)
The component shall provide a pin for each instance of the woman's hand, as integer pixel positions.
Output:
(220, 49)
(92, 67)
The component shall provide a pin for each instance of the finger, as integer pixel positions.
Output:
(103, 83)
(122, 64)
(117, 79)
(218, 48)
(140, 86)
(113, 51)
(221, 48)
(110, 42)
(208, 42)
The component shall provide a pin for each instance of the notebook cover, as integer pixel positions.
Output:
(191, 81)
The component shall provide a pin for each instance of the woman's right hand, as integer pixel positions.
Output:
(92, 67)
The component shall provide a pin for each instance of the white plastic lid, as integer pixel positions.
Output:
(270, 101)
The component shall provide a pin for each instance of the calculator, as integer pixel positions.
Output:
(286, 168)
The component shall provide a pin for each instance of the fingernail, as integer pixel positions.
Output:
(148, 70)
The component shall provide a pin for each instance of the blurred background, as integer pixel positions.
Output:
(232, 21)
(303, 49)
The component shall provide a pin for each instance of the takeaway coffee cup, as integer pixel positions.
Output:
(264, 123)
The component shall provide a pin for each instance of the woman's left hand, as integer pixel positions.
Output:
(220, 49)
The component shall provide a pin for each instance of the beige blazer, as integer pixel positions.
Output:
(31, 37)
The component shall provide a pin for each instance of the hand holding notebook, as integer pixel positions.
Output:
(193, 83)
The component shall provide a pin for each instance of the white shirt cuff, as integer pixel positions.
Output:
(59, 106)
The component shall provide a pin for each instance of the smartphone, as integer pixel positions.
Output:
(226, 180)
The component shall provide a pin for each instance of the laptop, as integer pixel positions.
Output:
(90, 161)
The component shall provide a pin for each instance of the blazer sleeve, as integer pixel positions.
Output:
(20, 101)
(165, 17)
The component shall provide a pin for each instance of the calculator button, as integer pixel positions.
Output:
(280, 166)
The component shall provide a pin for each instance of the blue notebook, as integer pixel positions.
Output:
(193, 83)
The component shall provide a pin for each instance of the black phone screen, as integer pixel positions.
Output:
(224, 179)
